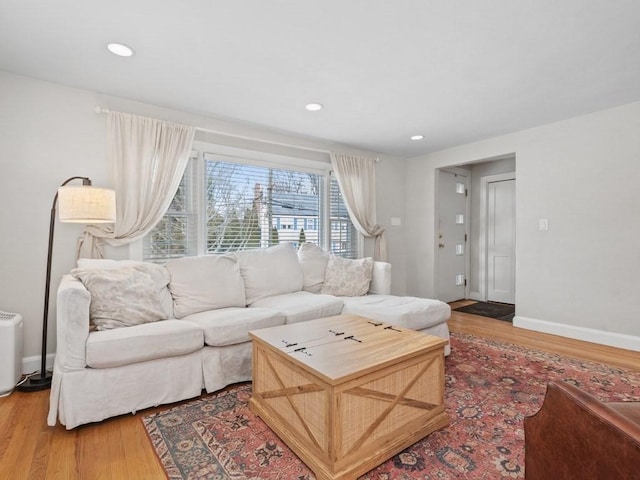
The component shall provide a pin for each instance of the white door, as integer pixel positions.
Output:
(501, 239)
(452, 235)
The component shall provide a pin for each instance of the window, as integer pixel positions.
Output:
(344, 235)
(175, 234)
(225, 204)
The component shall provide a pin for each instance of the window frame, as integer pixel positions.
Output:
(196, 166)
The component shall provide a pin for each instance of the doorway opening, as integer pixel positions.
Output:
(489, 247)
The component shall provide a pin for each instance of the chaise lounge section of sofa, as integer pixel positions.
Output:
(132, 335)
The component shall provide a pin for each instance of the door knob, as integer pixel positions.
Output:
(441, 245)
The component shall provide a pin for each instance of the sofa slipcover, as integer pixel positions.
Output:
(408, 312)
(270, 271)
(102, 374)
(229, 326)
(140, 343)
(302, 306)
(420, 314)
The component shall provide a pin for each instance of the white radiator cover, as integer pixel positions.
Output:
(11, 337)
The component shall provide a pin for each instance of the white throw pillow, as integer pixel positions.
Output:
(159, 274)
(347, 278)
(270, 271)
(120, 297)
(205, 283)
(313, 261)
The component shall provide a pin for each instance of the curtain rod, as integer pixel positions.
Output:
(99, 110)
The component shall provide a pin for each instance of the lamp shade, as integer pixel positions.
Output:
(86, 204)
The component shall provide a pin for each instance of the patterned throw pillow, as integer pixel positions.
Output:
(120, 297)
(347, 278)
(159, 274)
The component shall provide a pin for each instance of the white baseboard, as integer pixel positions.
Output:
(620, 340)
(32, 364)
(475, 296)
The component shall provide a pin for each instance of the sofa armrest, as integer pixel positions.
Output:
(380, 279)
(72, 323)
(576, 436)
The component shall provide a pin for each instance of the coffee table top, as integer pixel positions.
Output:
(345, 346)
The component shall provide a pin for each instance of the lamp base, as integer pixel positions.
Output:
(36, 382)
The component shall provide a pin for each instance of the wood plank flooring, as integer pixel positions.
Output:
(118, 448)
(498, 329)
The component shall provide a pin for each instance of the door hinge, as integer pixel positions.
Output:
(465, 237)
(466, 192)
(465, 282)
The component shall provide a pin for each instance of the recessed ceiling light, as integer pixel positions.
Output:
(417, 137)
(120, 49)
(314, 107)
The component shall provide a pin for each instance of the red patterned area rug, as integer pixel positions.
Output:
(490, 387)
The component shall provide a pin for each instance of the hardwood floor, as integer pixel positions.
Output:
(488, 327)
(118, 448)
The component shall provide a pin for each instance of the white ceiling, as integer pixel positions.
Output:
(454, 71)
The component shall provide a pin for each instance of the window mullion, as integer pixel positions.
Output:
(199, 199)
(325, 212)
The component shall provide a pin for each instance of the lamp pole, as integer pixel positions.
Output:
(42, 381)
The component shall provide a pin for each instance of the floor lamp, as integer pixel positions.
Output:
(78, 204)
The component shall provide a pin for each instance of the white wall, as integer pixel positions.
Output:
(391, 203)
(49, 133)
(579, 278)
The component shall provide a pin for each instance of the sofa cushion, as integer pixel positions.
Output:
(302, 306)
(408, 312)
(205, 283)
(120, 297)
(159, 274)
(347, 278)
(313, 261)
(270, 271)
(124, 346)
(380, 278)
(229, 326)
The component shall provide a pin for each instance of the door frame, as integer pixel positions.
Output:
(464, 172)
(484, 230)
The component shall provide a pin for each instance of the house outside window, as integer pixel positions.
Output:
(226, 204)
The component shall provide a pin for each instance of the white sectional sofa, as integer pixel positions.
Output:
(184, 325)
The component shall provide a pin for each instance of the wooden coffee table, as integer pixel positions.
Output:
(346, 393)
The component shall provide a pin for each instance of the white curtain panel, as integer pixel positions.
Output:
(148, 157)
(357, 180)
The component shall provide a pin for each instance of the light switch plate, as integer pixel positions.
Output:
(396, 221)
(544, 224)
